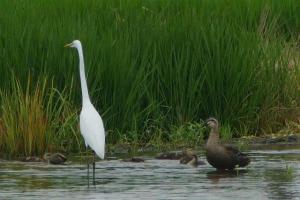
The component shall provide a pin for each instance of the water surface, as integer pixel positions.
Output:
(265, 178)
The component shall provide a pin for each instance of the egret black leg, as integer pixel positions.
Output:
(88, 166)
(94, 169)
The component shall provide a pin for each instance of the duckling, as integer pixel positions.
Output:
(171, 155)
(222, 156)
(135, 160)
(191, 159)
(30, 159)
(55, 159)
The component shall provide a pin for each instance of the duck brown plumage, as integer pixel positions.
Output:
(170, 156)
(55, 159)
(222, 156)
(30, 159)
(191, 158)
(135, 160)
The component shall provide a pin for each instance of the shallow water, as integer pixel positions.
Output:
(266, 178)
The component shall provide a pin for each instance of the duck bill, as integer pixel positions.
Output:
(204, 124)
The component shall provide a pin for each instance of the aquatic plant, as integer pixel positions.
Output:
(36, 118)
(237, 170)
(226, 132)
(240, 144)
(288, 172)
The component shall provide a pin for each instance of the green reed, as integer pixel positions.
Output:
(36, 119)
(154, 66)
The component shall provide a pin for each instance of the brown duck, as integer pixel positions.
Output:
(55, 159)
(191, 159)
(170, 156)
(30, 159)
(135, 160)
(222, 156)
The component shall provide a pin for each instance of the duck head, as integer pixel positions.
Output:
(47, 156)
(212, 123)
(188, 152)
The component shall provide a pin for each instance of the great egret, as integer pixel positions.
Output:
(91, 125)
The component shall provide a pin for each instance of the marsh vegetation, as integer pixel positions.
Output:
(155, 70)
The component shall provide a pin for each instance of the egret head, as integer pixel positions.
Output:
(211, 122)
(74, 44)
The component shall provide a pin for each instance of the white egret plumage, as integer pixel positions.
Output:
(91, 125)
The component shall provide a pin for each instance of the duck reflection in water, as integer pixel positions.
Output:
(217, 175)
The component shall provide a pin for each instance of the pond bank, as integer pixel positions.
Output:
(240, 142)
(244, 141)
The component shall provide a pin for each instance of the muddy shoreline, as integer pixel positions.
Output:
(253, 141)
(240, 142)
(291, 139)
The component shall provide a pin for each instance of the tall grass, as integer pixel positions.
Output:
(156, 65)
(35, 119)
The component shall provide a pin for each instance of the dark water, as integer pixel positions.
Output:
(266, 178)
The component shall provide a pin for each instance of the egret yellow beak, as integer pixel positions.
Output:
(68, 45)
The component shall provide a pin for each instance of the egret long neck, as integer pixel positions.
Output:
(84, 88)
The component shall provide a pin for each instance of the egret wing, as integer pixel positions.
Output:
(92, 129)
